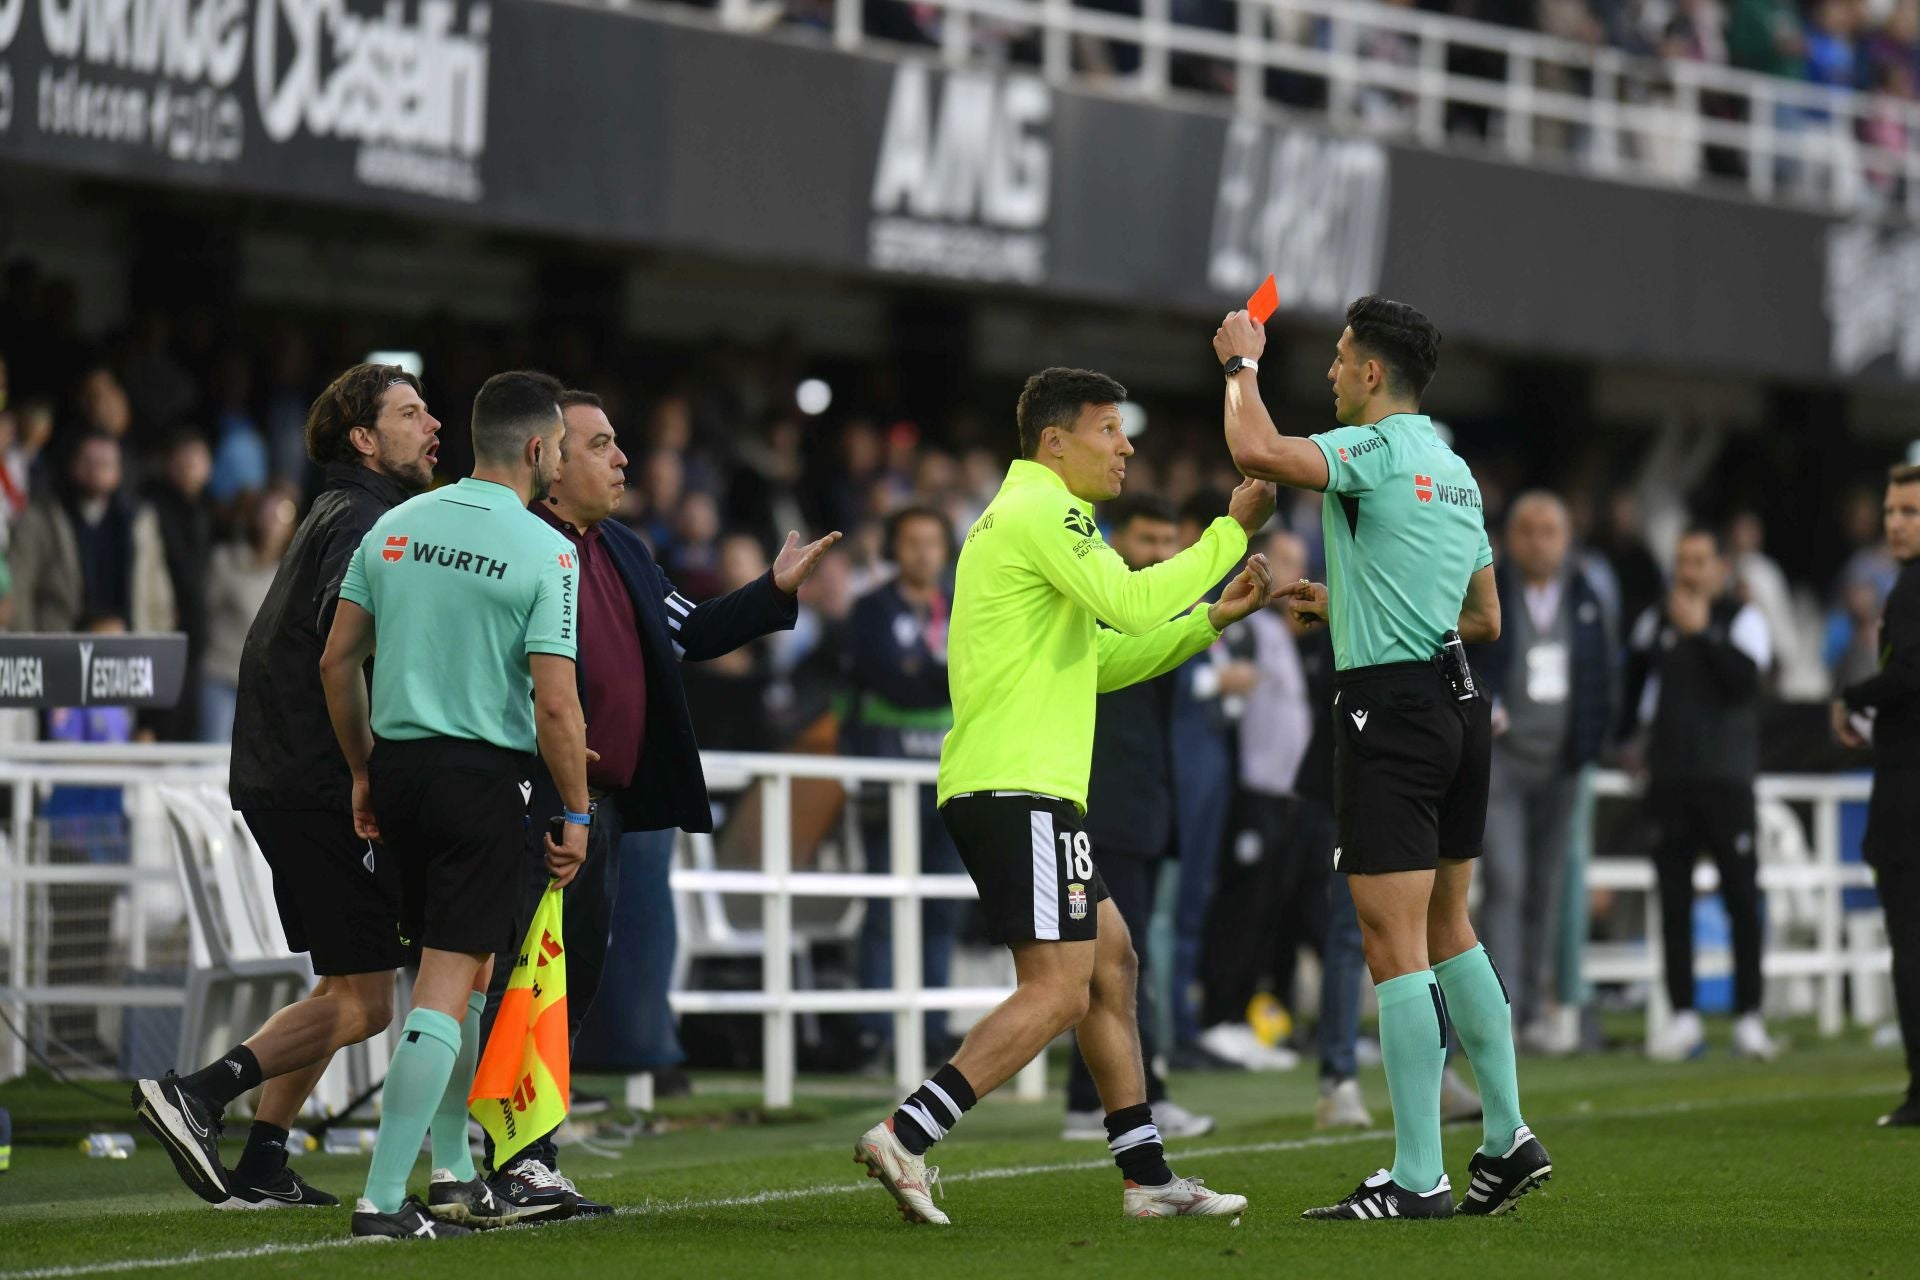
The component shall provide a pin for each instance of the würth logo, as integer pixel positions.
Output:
(1423, 488)
(1343, 455)
(395, 549)
(566, 560)
(1080, 523)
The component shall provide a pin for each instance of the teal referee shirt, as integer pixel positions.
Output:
(1404, 532)
(465, 585)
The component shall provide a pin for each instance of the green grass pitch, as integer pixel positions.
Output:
(1705, 1169)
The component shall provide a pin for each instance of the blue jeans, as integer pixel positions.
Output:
(631, 1027)
(1342, 968)
(939, 917)
(218, 700)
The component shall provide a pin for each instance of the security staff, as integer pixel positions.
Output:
(1409, 578)
(338, 897)
(1892, 699)
(473, 600)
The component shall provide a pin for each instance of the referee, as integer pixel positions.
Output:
(472, 600)
(1410, 577)
(1892, 698)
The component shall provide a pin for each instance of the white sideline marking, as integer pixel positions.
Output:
(852, 1185)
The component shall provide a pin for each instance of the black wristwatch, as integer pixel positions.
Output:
(1236, 363)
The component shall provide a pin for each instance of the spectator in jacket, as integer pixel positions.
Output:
(1695, 669)
(238, 576)
(178, 501)
(643, 764)
(1550, 675)
(83, 550)
(898, 708)
(1133, 821)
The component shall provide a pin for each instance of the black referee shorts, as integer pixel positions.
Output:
(338, 895)
(455, 812)
(1410, 769)
(1032, 863)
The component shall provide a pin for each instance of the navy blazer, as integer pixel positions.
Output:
(1592, 665)
(669, 787)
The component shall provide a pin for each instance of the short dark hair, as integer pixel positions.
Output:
(1708, 532)
(900, 519)
(1054, 398)
(1124, 510)
(350, 400)
(1903, 473)
(1206, 506)
(1400, 338)
(574, 398)
(510, 408)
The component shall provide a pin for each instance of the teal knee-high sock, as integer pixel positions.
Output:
(416, 1080)
(1413, 1044)
(450, 1148)
(1477, 1001)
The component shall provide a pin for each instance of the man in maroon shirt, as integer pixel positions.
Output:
(634, 631)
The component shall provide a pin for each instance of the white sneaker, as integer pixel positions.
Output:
(1181, 1198)
(1683, 1038)
(904, 1174)
(1458, 1101)
(1084, 1126)
(1750, 1039)
(1342, 1107)
(1175, 1121)
(1236, 1042)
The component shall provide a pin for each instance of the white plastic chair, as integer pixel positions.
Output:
(237, 960)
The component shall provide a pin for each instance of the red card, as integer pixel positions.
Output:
(1265, 300)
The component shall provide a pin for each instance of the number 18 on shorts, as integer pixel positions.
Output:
(1032, 863)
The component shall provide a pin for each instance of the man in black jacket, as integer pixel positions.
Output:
(643, 763)
(338, 895)
(1694, 674)
(1131, 820)
(1892, 699)
(1551, 678)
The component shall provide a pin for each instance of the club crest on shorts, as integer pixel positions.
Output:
(1077, 901)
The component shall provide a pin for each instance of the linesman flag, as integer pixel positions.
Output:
(520, 1089)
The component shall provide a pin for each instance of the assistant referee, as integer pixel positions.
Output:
(1409, 566)
(473, 602)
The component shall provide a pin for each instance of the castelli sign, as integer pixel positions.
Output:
(200, 82)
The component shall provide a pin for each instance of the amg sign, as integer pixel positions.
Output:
(963, 183)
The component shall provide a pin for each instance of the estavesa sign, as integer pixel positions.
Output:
(962, 186)
(1309, 208)
(91, 670)
(199, 81)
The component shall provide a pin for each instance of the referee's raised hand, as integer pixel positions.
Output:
(1252, 505)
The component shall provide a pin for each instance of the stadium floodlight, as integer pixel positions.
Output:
(813, 396)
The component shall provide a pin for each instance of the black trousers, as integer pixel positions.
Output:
(585, 927)
(1134, 883)
(1271, 897)
(1899, 882)
(1716, 819)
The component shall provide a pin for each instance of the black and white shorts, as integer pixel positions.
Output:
(1032, 863)
(454, 812)
(1410, 770)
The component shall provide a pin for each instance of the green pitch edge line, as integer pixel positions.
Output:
(976, 1175)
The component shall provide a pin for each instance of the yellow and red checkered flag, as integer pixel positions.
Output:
(521, 1088)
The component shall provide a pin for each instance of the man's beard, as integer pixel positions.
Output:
(542, 484)
(414, 474)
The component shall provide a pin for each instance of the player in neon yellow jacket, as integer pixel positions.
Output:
(1045, 617)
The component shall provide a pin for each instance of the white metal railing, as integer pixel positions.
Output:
(1384, 70)
(30, 768)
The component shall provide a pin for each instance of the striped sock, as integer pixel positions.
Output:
(1135, 1142)
(932, 1109)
